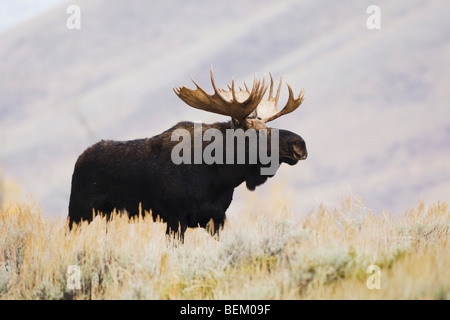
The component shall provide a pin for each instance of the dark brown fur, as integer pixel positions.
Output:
(125, 175)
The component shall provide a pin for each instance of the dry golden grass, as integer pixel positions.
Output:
(264, 254)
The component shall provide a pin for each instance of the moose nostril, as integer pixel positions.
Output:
(299, 152)
(302, 155)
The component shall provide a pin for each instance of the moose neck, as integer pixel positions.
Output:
(233, 174)
(231, 152)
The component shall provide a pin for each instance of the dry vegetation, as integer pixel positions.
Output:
(268, 254)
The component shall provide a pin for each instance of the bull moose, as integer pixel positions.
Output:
(142, 176)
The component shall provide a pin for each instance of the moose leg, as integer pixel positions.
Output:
(218, 212)
(214, 226)
(176, 229)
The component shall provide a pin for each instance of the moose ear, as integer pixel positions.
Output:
(235, 123)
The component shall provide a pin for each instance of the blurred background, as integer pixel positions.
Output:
(376, 118)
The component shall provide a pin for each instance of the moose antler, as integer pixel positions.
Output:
(270, 106)
(238, 105)
(243, 103)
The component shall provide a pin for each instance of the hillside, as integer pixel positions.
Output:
(375, 118)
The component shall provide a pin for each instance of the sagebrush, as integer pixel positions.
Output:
(264, 254)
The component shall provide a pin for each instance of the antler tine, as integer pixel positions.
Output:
(213, 84)
(271, 90)
(246, 88)
(263, 88)
(255, 84)
(257, 93)
(278, 91)
(271, 86)
(196, 84)
(232, 89)
(290, 106)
